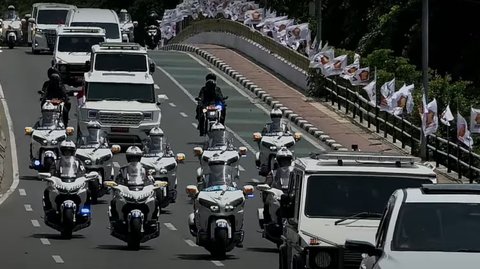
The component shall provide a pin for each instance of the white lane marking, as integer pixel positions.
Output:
(172, 104)
(241, 168)
(116, 164)
(183, 114)
(28, 207)
(191, 243)
(45, 241)
(35, 223)
(57, 259)
(242, 92)
(195, 124)
(13, 149)
(193, 100)
(217, 263)
(170, 226)
(22, 192)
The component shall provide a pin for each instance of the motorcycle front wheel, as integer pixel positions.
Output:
(67, 223)
(221, 243)
(135, 234)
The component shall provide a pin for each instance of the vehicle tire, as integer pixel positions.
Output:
(282, 257)
(11, 45)
(297, 262)
(67, 223)
(135, 234)
(48, 164)
(93, 186)
(35, 51)
(221, 243)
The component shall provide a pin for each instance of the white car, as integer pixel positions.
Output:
(42, 28)
(97, 17)
(333, 197)
(432, 227)
(124, 104)
(72, 51)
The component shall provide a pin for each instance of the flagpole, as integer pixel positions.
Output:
(448, 149)
(318, 15)
(423, 141)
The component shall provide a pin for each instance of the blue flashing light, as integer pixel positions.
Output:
(36, 163)
(250, 195)
(85, 211)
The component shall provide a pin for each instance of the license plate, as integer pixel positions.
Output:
(119, 129)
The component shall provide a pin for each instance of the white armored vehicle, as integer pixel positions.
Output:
(333, 197)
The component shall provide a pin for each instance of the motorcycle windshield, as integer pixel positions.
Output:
(11, 15)
(217, 138)
(277, 127)
(136, 175)
(124, 17)
(49, 119)
(155, 144)
(282, 177)
(220, 175)
(95, 137)
(68, 168)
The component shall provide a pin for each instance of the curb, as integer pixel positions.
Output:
(260, 93)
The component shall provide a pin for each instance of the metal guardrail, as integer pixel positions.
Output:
(452, 155)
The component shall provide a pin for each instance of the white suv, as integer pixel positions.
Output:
(333, 197)
(432, 227)
(72, 51)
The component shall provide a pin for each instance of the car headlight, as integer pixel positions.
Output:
(147, 115)
(104, 158)
(323, 259)
(62, 68)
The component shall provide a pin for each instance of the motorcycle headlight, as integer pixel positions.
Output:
(70, 188)
(209, 204)
(87, 161)
(40, 140)
(267, 145)
(323, 259)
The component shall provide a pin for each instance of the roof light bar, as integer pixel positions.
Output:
(362, 156)
(121, 46)
(83, 30)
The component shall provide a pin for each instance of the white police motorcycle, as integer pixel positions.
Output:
(11, 28)
(96, 155)
(134, 210)
(127, 26)
(217, 218)
(65, 199)
(46, 137)
(161, 163)
(276, 184)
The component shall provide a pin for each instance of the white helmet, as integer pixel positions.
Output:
(156, 131)
(133, 154)
(275, 113)
(49, 107)
(218, 127)
(67, 148)
(94, 125)
(11, 7)
(284, 157)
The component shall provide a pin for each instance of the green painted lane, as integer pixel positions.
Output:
(244, 116)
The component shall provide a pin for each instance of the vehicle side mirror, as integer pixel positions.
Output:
(161, 98)
(197, 151)
(116, 149)
(363, 247)
(44, 175)
(257, 136)
(263, 187)
(242, 151)
(192, 191)
(180, 157)
(28, 130)
(248, 191)
(110, 183)
(151, 67)
(31, 20)
(135, 23)
(87, 65)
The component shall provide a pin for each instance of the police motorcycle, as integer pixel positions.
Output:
(127, 26)
(276, 184)
(211, 113)
(65, 201)
(153, 37)
(96, 155)
(161, 163)
(217, 218)
(11, 28)
(134, 210)
(274, 136)
(46, 136)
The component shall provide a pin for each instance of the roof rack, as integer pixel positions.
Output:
(120, 46)
(357, 156)
(80, 29)
(450, 189)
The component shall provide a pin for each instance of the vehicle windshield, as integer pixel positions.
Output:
(52, 16)
(95, 137)
(50, 119)
(136, 175)
(220, 174)
(338, 196)
(124, 17)
(78, 43)
(111, 29)
(121, 62)
(98, 91)
(11, 15)
(155, 144)
(68, 168)
(217, 138)
(445, 227)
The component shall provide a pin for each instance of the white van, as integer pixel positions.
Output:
(96, 17)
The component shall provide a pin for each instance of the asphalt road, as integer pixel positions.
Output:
(25, 241)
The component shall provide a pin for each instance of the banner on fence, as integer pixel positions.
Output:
(447, 116)
(429, 117)
(349, 70)
(371, 90)
(386, 92)
(336, 66)
(475, 121)
(463, 134)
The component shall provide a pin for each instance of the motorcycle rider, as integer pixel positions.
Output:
(218, 136)
(94, 134)
(152, 19)
(277, 125)
(209, 94)
(12, 13)
(154, 144)
(66, 166)
(50, 117)
(123, 16)
(54, 89)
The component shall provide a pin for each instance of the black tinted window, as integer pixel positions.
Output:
(345, 195)
(97, 91)
(78, 43)
(111, 29)
(449, 227)
(52, 16)
(121, 62)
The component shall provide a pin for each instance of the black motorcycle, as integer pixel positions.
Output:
(152, 37)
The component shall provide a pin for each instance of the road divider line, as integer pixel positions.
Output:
(183, 114)
(13, 149)
(170, 226)
(191, 243)
(195, 124)
(57, 259)
(241, 168)
(35, 223)
(243, 92)
(250, 148)
(45, 241)
(22, 192)
(217, 263)
(28, 207)
(172, 104)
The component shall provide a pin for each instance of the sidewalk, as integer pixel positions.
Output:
(341, 129)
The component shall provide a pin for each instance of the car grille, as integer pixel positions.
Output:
(120, 118)
(351, 259)
(77, 68)
(51, 36)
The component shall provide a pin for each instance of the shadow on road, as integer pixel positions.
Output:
(31, 178)
(204, 257)
(263, 250)
(121, 247)
(57, 236)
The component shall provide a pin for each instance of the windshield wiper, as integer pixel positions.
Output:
(361, 215)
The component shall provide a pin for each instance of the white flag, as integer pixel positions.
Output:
(361, 77)
(386, 92)
(279, 29)
(447, 116)
(401, 100)
(430, 117)
(475, 121)
(336, 66)
(463, 134)
(253, 17)
(371, 90)
(349, 70)
(297, 33)
(321, 59)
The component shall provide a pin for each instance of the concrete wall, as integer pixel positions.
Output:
(285, 69)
